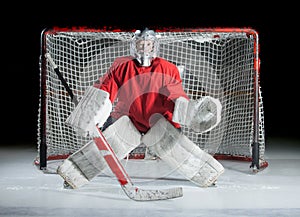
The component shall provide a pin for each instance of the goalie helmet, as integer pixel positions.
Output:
(144, 46)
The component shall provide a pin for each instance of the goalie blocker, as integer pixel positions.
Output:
(92, 110)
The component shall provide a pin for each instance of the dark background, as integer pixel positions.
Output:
(22, 27)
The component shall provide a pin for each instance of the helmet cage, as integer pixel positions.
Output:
(144, 46)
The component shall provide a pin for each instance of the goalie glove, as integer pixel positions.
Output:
(93, 109)
(200, 115)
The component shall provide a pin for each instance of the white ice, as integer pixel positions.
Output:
(275, 191)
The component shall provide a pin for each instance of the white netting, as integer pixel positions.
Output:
(216, 63)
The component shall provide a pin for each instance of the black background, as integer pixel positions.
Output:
(22, 26)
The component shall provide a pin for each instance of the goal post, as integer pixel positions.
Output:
(219, 62)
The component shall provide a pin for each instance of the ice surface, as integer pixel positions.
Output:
(27, 191)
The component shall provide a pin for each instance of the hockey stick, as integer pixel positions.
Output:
(115, 165)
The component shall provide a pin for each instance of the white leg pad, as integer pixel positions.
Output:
(182, 154)
(122, 136)
(83, 165)
(88, 162)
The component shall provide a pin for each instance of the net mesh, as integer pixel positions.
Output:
(215, 63)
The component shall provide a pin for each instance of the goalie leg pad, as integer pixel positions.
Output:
(182, 154)
(88, 162)
(122, 136)
(83, 165)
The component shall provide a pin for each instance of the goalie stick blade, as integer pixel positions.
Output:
(138, 194)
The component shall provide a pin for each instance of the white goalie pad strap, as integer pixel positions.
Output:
(201, 115)
(83, 165)
(182, 154)
(122, 136)
(93, 109)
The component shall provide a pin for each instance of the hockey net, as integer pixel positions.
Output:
(219, 62)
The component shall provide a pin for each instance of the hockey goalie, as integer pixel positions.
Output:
(150, 108)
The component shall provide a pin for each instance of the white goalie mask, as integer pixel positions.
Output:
(144, 46)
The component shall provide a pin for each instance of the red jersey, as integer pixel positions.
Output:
(143, 93)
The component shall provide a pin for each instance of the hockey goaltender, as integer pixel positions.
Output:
(151, 107)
